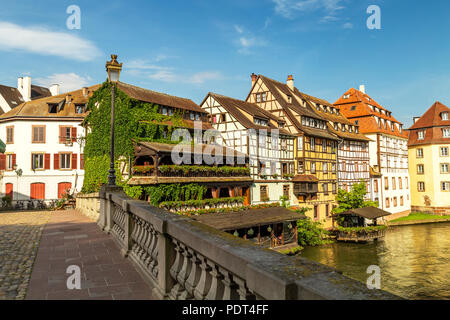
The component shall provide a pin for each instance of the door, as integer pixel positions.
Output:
(9, 190)
(37, 191)
(63, 188)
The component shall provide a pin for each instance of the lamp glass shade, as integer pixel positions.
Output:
(113, 74)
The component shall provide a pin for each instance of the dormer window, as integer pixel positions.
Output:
(421, 135)
(356, 122)
(346, 96)
(80, 108)
(357, 129)
(164, 111)
(353, 108)
(260, 122)
(446, 133)
(338, 112)
(261, 97)
(281, 124)
(52, 108)
(350, 129)
(289, 99)
(444, 115)
(336, 127)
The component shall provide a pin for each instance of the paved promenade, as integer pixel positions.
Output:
(68, 239)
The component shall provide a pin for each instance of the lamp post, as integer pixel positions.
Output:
(113, 68)
(19, 174)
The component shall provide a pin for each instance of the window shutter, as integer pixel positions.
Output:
(56, 161)
(47, 161)
(74, 134)
(82, 161)
(74, 160)
(2, 162)
(61, 135)
(13, 159)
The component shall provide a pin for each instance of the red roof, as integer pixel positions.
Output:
(431, 121)
(358, 106)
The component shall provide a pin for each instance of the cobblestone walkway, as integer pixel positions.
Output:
(20, 233)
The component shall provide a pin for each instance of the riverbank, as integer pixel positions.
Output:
(418, 218)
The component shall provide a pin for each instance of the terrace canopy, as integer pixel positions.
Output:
(368, 213)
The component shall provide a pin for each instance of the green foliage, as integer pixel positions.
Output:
(284, 201)
(133, 120)
(361, 229)
(200, 203)
(292, 251)
(311, 233)
(420, 216)
(182, 170)
(229, 209)
(353, 199)
(302, 210)
(6, 201)
(174, 192)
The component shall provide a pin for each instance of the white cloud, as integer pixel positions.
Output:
(202, 77)
(67, 81)
(347, 25)
(238, 29)
(43, 41)
(288, 8)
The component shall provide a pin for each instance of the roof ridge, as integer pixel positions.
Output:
(157, 92)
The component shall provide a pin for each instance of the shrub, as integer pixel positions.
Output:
(311, 233)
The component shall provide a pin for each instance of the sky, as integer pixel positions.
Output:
(188, 48)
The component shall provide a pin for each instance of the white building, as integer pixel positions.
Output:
(12, 97)
(247, 128)
(44, 147)
(388, 150)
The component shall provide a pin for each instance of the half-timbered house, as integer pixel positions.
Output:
(252, 130)
(388, 150)
(315, 151)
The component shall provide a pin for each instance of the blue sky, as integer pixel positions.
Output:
(188, 48)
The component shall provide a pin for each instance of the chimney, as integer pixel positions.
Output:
(85, 91)
(24, 87)
(290, 82)
(362, 88)
(54, 89)
(254, 78)
(68, 99)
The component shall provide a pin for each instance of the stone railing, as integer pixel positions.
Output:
(184, 259)
(89, 205)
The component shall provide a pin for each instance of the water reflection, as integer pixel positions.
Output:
(414, 260)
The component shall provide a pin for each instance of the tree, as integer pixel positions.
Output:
(353, 199)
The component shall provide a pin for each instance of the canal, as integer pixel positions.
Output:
(414, 260)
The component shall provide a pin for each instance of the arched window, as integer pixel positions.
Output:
(63, 188)
(37, 191)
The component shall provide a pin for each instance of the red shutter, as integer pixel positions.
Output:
(2, 161)
(61, 135)
(82, 161)
(74, 160)
(74, 134)
(14, 159)
(9, 190)
(56, 161)
(37, 191)
(47, 161)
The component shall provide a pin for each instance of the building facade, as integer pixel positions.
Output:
(253, 131)
(388, 150)
(44, 158)
(315, 148)
(429, 161)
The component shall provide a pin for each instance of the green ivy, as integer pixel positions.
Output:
(311, 233)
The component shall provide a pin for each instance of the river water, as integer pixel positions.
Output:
(414, 260)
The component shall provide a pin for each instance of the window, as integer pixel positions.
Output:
(444, 115)
(395, 201)
(419, 153)
(316, 212)
(445, 186)
(223, 117)
(387, 203)
(164, 111)
(421, 186)
(67, 134)
(63, 188)
(401, 201)
(37, 191)
(38, 134)
(375, 186)
(327, 210)
(65, 160)
(333, 167)
(79, 108)
(82, 161)
(300, 143)
(444, 151)
(10, 161)
(10, 134)
(301, 166)
(353, 108)
(400, 183)
(9, 190)
(313, 144)
(324, 145)
(192, 116)
(313, 167)
(284, 144)
(420, 169)
(444, 167)
(394, 184)
(407, 184)
(446, 133)
(386, 183)
(334, 188)
(325, 168)
(263, 193)
(325, 188)
(37, 160)
(286, 191)
(421, 135)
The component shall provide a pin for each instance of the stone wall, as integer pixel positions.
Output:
(442, 211)
(89, 205)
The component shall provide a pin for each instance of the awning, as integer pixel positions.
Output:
(305, 178)
(248, 218)
(368, 212)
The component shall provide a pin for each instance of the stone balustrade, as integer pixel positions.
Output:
(89, 205)
(184, 259)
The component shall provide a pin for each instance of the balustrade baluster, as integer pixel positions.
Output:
(204, 283)
(217, 288)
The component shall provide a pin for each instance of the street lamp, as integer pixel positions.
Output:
(113, 68)
(18, 174)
